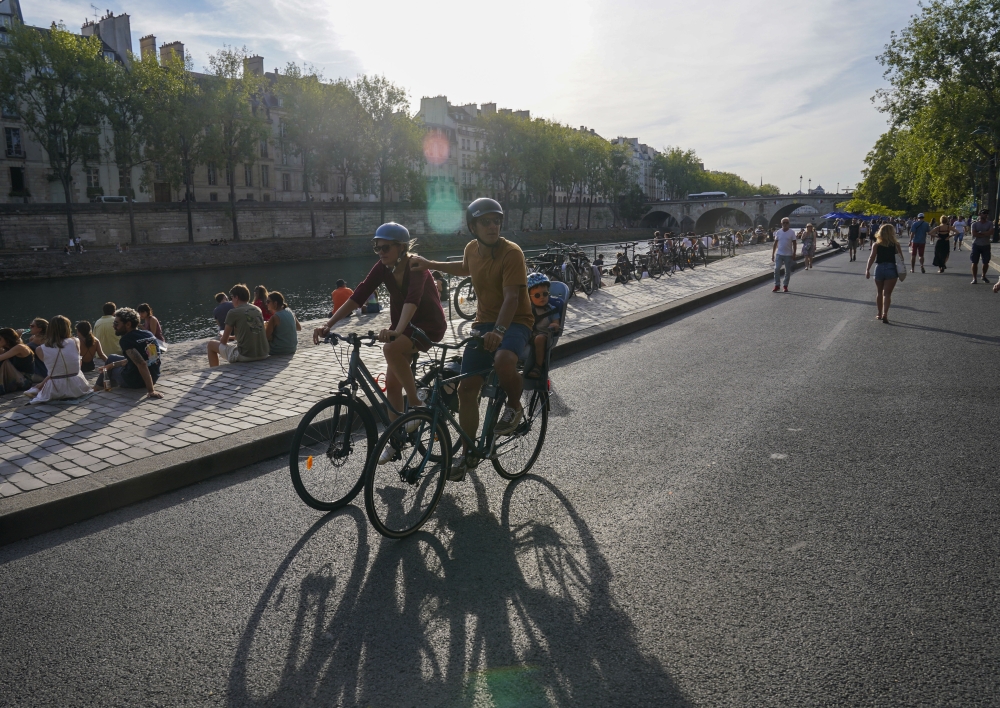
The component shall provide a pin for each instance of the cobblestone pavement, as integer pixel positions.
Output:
(46, 444)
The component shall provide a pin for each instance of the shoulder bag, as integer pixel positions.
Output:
(900, 266)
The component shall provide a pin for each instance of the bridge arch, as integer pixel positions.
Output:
(711, 220)
(658, 219)
(782, 213)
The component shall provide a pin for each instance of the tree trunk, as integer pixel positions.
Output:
(579, 207)
(187, 198)
(541, 209)
(554, 208)
(232, 199)
(69, 206)
(590, 205)
(131, 209)
(569, 203)
(993, 188)
(381, 200)
(345, 211)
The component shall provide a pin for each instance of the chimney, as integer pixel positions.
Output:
(254, 65)
(147, 46)
(174, 49)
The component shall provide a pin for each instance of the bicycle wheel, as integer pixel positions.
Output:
(330, 448)
(586, 277)
(401, 495)
(655, 270)
(465, 300)
(514, 454)
(568, 276)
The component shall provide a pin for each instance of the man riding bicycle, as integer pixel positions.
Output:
(503, 316)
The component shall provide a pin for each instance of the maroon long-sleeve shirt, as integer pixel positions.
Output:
(418, 288)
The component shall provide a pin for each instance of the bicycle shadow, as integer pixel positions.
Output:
(507, 608)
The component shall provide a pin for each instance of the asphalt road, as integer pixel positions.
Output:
(776, 500)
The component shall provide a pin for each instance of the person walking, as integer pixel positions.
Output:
(918, 240)
(942, 244)
(982, 235)
(783, 253)
(886, 270)
(809, 237)
(853, 234)
(959, 227)
(863, 230)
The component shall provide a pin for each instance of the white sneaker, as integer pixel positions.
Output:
(508, 421)
(388, 453)
(412, 425)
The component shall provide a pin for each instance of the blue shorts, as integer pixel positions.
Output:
(980, 252)
(885, 271)
(515, 339)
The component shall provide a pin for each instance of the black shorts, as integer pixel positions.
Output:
(981, 251)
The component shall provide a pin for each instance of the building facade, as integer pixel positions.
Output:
(642, 165)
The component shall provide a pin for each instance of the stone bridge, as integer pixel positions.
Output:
(705, 215)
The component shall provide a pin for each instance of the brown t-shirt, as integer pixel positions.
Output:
(492, 270)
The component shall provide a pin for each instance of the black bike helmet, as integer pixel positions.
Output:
(481, 207)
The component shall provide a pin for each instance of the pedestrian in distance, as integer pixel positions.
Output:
(918, 240)
(982, 235)
(942, 244)
(959, 226)
(783, 253)
(886, 269)
(863, 230)
(809, 237)
(853, 234)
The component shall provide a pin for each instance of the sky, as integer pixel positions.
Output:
(768, 89)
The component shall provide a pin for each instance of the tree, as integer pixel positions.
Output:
(51, 79)
(594, 154)
(679, 170)
(309, 107)
(617, 177)
(343, 146)
(391, 141)
(632, 204)
(504, 159)
(944, 97)
(236, 124)
(128, 102)
(177, 137)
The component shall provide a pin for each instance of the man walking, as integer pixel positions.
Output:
(783, 253)
(918, 239)
(853, 234)
(982, 235)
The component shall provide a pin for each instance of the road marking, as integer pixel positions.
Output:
(779, 456)
(833, 335)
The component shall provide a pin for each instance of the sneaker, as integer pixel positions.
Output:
(412, 426)
(508, 421)
(459, 467)
(786, 288)
(389, 453)
(985, 279)
(922, 269)
(776, 289)
(975, 282)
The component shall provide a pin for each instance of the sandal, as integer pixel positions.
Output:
(533, 372)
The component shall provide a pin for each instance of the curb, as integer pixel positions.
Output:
(50, 508)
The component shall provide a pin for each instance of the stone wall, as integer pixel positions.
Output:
(16, 265)
(28, 226)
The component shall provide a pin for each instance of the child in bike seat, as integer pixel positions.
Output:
(547, 311)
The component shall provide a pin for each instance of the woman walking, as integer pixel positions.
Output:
(886, 271)
(942, 246)
(413, 302)
(809, 245)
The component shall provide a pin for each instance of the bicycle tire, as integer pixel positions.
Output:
(423, 483)
(586, 275)
(465, 300)
(506, 460)
(568, 276)
(320, 484)
(655, 270)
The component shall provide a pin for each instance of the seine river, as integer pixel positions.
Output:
(183, 300)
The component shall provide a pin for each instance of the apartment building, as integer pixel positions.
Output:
(642, 164)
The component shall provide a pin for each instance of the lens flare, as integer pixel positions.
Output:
(436, 148)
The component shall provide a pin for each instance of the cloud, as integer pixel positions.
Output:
(776, 88)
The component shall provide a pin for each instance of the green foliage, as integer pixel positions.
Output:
(50, 77)
(861, 206)
(632, 204)
(682, 174)
(943, 100)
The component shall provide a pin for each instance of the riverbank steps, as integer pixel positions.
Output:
(50, 444)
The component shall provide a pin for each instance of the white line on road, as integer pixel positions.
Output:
(833, 335)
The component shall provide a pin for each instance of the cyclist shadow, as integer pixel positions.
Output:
(511, 607)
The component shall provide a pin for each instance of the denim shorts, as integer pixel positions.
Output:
(515, 339)
(885, 271)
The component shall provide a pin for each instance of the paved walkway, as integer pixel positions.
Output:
(42, 445)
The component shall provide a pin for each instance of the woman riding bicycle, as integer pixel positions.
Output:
(413, 302)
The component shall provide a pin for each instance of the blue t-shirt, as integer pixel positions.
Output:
(220, 312)
(145, 343)
(919, 230)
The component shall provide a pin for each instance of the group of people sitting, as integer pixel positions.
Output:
(252, 330)
(48, 360)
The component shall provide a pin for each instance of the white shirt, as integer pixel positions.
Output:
(959, 227)
(785, 241)
(687, 242)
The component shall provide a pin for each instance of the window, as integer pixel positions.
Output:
(229, 177)
(124, 182)
(12, 136)
(159, 173)
(17, 179)
(263, 148)
(477, 146)
(5, 21)
(284, 157)
(249, 197)
(213, 175)
(265, 176)
(286, 182)
(93, 177)
(91, 148)
(213, 196)
(9, 109)
(267, 197)
(248, 175)
(323, 184)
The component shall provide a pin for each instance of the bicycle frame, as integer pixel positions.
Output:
(359, 377)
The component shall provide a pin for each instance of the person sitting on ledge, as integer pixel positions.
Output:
(140, 365)
(282, 327)
(246, 323)
(17, 362)
(222, 309)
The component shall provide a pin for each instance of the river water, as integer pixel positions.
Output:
(182, 300)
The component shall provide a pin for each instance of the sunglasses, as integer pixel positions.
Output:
(487, 221)
(540, 295)
(383, 249)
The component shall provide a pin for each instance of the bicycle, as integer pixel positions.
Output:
(465, 299)
(338, 431)
(401, 495)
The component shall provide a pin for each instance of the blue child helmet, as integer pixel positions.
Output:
(391, 231)
(536, 279)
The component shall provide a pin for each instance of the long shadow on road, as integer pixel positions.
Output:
(515, 610)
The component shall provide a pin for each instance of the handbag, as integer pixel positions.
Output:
(900, 266)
